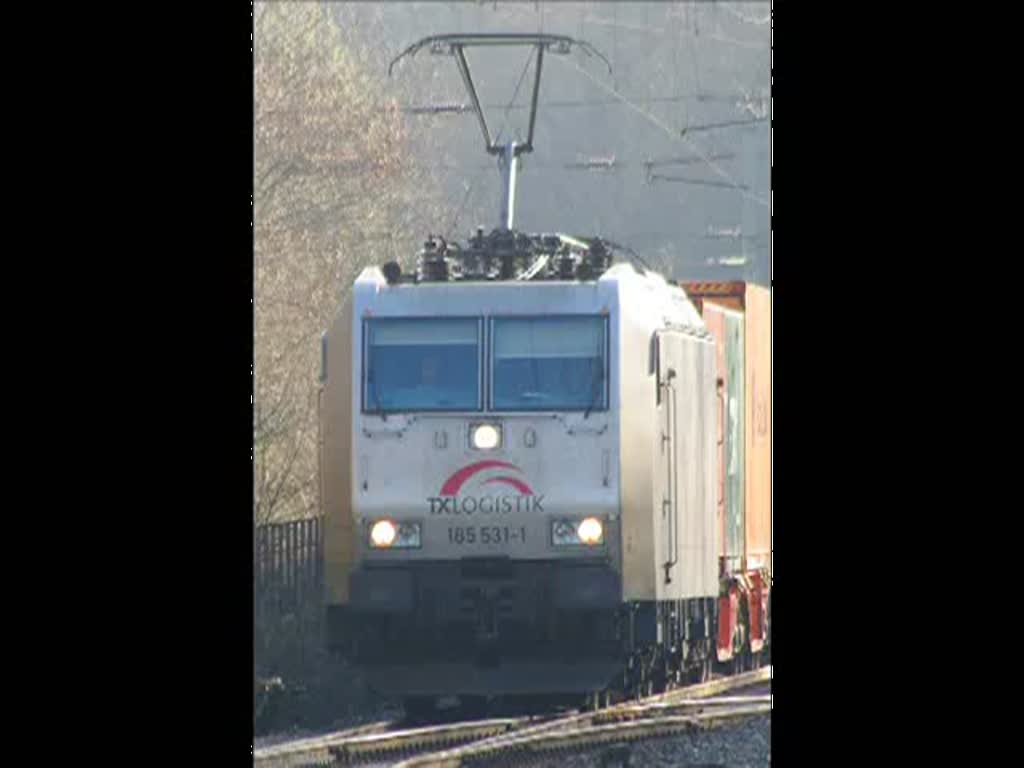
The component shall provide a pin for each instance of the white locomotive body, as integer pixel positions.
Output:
(517, 475)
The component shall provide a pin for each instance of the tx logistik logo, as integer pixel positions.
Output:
(449, 502)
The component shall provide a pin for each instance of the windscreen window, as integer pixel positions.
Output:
(415, 364)
(549, 364)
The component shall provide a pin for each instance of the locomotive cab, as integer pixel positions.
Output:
(483, 508)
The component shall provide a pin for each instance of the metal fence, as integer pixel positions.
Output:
(288, 567)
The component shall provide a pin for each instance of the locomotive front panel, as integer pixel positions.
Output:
(485, 493)
(455, 500)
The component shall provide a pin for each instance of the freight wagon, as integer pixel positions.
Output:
(738, 314)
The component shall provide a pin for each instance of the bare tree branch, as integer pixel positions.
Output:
(334, 189)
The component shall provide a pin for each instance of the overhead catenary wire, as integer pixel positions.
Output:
(594, 162)
(735, 98)
(748, 44)
(722, 119)
(460, 107)
(746, 19)
(674, 134)
(699, 182)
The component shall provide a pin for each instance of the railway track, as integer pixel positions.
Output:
(314, 750)
(380, 740)
(526, 738)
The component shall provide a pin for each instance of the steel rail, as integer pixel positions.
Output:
(415, 739)
(586, 737)
(473, 739)
(686, 694)
(357, 744)
(314, 748)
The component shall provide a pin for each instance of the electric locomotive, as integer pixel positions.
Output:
(520, 465)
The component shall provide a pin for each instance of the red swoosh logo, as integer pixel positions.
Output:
(522, 487)
(454, 483)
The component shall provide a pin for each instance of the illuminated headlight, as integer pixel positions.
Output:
(485, 437)
(589, 531)
(385, 534)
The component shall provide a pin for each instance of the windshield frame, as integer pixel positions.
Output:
(371, 409)
(604, 402)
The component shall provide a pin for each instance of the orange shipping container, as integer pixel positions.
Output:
(754, 302)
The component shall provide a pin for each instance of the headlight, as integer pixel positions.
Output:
(385, 534)
(485, 437)
(589, 532)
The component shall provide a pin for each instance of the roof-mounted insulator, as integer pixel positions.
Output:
(566, 266)
(392, 272)
(599, 257)
(505, 254)
(433, 264)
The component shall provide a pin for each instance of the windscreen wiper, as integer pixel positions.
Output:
(371, 380)
(598, 379)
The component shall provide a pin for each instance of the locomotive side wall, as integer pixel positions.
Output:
(693, 432)
(646, 307)
(638, 427)
(336, 457)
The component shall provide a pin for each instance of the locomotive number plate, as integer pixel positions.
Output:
(486, 534)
